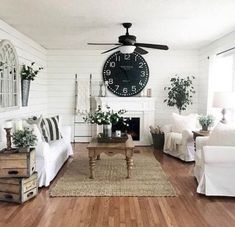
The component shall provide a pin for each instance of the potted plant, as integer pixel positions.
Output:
(180, 92)
(24, 139)
(105, 118)
(206, 121)
(158, 137)
(28, 73)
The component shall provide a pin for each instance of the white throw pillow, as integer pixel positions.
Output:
(184, 122)
(222, 135)
(34, 129)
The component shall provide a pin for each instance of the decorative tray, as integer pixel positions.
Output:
(112, 139)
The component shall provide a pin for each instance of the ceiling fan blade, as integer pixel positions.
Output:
(103, 43)
(140, 50)
(110, 49)
(154, 46)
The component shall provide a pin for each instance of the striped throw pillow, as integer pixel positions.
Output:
(50, 128)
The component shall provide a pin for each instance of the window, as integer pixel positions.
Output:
(221, 79)
(9, 78)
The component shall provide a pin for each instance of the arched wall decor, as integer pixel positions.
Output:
(9, 76)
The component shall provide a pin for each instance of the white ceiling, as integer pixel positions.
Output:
(66, 24)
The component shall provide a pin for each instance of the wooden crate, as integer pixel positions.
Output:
(21, 164)
(18, 190)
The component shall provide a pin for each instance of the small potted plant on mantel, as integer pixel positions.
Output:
(206, 121)
(24, 139)
(28, 73)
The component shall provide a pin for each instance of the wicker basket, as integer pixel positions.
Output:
(158, 140)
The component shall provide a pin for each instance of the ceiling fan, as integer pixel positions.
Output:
(127, 43)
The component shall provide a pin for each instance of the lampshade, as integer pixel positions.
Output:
(127, 49)
(224, 100)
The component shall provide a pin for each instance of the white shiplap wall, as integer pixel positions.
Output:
(63, 64)
(217, 46)
(28, 51)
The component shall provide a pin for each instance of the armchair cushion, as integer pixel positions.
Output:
(222, 135)
(218, 154)
(184, 122)
(167, 128)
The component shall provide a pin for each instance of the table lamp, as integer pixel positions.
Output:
(224, 100)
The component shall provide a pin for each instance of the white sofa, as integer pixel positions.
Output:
(51, 156)
(215, 166)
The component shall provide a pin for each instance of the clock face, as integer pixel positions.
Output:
(126, 74)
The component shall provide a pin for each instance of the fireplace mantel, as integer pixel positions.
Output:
(142, 107)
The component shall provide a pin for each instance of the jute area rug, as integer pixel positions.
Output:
(148, 178)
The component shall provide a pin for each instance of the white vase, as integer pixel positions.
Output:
(107, 130)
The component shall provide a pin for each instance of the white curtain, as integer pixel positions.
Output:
(220, 79)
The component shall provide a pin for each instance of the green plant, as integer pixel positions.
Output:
(206, 120)
(28, 73)
(180, 92)
(104, 117)
(24, 138)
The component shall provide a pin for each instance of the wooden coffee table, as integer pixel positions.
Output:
(95, 149)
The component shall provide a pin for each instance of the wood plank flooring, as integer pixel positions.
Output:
(188, 209)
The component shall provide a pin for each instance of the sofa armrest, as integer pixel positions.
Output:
(66, 133)
(187, 136)
(218, 154)
(167, 128)
(201, 142)
(42, 149)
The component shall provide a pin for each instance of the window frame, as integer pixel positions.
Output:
(9, 57)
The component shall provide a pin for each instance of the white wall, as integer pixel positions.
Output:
(28, 51)
(63, 64)
(217, 46)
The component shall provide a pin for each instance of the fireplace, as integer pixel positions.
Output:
(131, 126)
(140, 111)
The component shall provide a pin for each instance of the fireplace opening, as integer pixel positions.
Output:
(131, 126)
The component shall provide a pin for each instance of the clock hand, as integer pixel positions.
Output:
(125, 72)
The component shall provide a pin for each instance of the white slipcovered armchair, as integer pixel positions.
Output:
(215, 162)
(179, 137)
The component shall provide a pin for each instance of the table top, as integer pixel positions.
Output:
(201, 133)
(128, 144)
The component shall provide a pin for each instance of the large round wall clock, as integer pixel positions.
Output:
(126, 74)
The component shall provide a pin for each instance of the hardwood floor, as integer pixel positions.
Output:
(188, 209)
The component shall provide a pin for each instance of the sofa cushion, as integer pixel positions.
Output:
(50, 128)
(222, 135)
(57, 147)
(184, 122)
(34, 128)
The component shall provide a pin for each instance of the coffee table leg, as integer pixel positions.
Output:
(98, 157)
(92, 167)
(129, 163)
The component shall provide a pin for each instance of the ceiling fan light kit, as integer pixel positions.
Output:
(127, 49)
(127, 44)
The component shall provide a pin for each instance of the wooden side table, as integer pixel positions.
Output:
(18, 179)
(199, 133)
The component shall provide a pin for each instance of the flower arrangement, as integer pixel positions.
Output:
(104, 117)
(24, 138)
(28, 72)
(206, 121)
